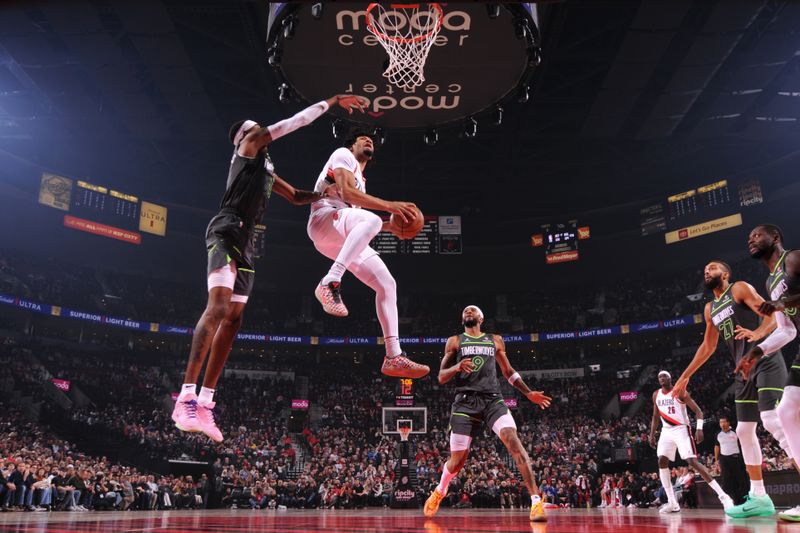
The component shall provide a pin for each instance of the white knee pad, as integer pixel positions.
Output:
(773, 424)
(751, 449)
(505, 421)
(459, 442)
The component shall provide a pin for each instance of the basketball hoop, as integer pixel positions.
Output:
(404, 433)
(406, 32)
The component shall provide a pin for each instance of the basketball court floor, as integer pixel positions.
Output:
(365, 521)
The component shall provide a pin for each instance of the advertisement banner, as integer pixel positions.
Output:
(629, 396)
(62, 384)
(153, 219)
(300, 405)
(556, 373)
(704, 228)
(103, 230)
(55, 191)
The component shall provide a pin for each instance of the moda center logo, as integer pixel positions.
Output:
(384, 96)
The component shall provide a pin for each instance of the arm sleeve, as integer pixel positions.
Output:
(303, 118)
(783, 335)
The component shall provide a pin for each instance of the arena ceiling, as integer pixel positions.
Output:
(633, 99)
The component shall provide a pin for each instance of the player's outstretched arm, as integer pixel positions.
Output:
(514, 379)
(258, 138)
(294, 196)
(703, 353)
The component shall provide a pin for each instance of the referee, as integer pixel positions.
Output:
(729, 459)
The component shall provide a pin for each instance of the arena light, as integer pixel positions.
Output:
(535, 56)
(336, 128)
(498, 115)
(521, 28)
(380, 136)
(289, 26)
(284, 93)
(493, 10)
(316, 10)
(471, 128)
(274, 56)
(431, 137)
(524, 94)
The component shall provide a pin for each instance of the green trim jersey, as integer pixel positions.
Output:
(777, 286)
(481, 350)
(249, 187)
(726, 314)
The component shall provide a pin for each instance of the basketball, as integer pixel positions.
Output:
(406, 230)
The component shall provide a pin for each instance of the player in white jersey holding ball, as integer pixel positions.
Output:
(676, 435)
(341, 230)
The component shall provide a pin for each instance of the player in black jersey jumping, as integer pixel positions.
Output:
(734, 314)
(783, 287)
(470, 359)
(230, 240)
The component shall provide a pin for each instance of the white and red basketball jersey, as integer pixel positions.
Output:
(341, 158)
(672, 410)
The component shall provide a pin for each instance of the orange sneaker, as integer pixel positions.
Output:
(537, 512)
(330, 296)
(401, 366)
(432, 503)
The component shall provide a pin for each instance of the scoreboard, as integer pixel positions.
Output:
(707, 208)
(561, 242)
(404, 397)
(439, 235)
(102, 211)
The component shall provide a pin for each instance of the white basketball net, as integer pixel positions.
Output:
(404, 433)
(406, 32)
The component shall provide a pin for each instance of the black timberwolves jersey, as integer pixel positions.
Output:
(726, 314)
(249, 187)
(482, 351)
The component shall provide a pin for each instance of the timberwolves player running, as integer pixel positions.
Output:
(676, 435)
(783, 286)
(733, 314)
(230, 241)
(470, 359)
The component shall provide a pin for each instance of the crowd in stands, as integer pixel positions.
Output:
(341, 459)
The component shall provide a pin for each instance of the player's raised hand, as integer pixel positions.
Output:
(351, 102)
(466, 365)
(538, 397)
(744, 333)
(405, 210)
(679, 389)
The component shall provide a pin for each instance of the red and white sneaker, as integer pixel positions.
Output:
(185, 414)
(208, 425)
(402, 367)
(330, 296)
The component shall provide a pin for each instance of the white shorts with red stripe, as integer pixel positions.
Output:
(676, 438)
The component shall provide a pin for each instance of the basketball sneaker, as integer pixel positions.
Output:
(401, 366)
(753, 506)
(330, 296)
(432, 503)
(790, 515)
(537, 512)
(205, 413)
(670, 508)
(185, 414)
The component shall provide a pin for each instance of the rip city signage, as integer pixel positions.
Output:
(475, 61)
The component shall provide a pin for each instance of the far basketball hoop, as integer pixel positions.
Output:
(406, 32)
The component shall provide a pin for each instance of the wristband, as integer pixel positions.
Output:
(699, 423)
(513, 377)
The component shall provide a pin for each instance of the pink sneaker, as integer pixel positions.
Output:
(330, 296)
(207, 423)
(403, 367)
(185, 414)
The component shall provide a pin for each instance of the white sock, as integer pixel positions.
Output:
(666, 482)
(757, 487)
(206, 396)
(335, 273)
(535, 499)
(715, 485)
(187, 389)
(392, 346)
(445, 481)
